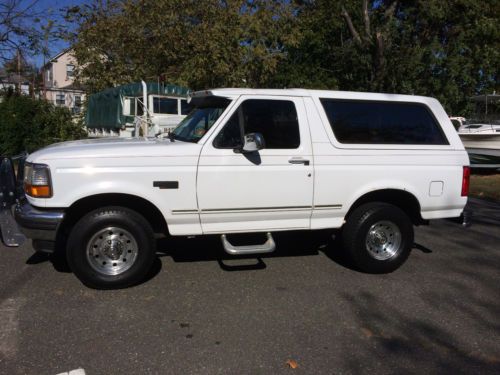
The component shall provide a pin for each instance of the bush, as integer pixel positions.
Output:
(28, 124)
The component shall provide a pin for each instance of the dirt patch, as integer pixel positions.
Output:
(485, 186)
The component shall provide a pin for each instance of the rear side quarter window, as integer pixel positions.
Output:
(380, 122)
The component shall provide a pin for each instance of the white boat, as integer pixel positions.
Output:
(482, 138)
(482, 142)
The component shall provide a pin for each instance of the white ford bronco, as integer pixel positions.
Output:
(245, 161)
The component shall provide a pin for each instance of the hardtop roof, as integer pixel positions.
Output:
(354, 95)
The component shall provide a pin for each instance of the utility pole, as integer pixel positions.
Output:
(19, 70)
(45, 55)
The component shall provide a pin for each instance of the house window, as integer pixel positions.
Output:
(70, 70)
(60, 99)
(49, 75)
(77, 107)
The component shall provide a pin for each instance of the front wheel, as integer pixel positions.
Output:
(378, 237)
(111, 248)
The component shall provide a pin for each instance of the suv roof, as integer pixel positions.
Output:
(235, 92)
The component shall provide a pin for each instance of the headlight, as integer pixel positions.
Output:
(37, 182)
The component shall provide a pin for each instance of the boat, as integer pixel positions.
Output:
(481, 137)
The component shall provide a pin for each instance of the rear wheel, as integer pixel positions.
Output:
(111, 248)
(378, 237)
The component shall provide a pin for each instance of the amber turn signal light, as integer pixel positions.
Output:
(38, 191)
(37, 182)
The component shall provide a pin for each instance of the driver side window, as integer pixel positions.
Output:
(276, 120)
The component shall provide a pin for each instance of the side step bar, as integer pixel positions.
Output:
(267, 247)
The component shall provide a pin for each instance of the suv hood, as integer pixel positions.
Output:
(113, 148)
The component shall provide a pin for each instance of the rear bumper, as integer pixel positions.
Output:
(465, 219)
(36, 223)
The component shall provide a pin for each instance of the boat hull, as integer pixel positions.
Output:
(483, 149)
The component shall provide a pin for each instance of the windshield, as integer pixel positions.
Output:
(200, 120)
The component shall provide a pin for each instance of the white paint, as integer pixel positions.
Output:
(221, 191)
(436, 188)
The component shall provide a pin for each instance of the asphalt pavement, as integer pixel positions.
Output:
(301, 310)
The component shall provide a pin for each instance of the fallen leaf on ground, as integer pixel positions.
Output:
(292, 364)
(368, 333)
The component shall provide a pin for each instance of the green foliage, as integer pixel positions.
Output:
(27, 124)
(449, 49)
(200, 44)
(19, 27)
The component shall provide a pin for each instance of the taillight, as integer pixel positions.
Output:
(465, 181)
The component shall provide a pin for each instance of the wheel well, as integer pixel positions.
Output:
(399, 198)
(142, 206)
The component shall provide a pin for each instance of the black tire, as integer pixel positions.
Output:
(377, 224)
(125, 226)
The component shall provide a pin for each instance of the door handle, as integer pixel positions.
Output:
(298, 161)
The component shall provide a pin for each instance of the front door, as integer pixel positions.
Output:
(270, 189)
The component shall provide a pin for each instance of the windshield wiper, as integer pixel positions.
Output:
(171, 136)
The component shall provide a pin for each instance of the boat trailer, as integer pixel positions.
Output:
(11, 191)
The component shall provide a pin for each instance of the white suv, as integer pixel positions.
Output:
(372, 165)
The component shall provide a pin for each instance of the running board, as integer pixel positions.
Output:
(267, 247)
(9, 230)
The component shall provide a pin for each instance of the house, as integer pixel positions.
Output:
(14, 82)
(17, 75)
(59, 85)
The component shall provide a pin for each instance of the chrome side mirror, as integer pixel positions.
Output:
(253, 142)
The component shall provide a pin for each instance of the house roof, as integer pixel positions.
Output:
(54, 58)
(12, 78)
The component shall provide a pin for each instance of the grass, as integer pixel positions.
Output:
(485, 186)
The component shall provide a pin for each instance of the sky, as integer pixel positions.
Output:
(51, 10)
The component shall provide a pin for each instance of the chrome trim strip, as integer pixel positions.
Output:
(328, 207)
(184, 212)
(257, 209)
(249, 211)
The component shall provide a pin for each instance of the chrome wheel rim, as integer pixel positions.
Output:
(112, 251)
(383, 240)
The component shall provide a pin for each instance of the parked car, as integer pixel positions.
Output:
(368, 165)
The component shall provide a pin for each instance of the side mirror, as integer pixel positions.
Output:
(253, 142)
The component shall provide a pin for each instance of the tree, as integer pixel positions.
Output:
(18, 32)
(28, 124)
(447, 49)
(18, 70)
(374, 40)
(196, 43)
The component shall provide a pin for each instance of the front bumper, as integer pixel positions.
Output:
(38, 224)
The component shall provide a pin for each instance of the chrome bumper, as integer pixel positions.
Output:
(38, 224)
